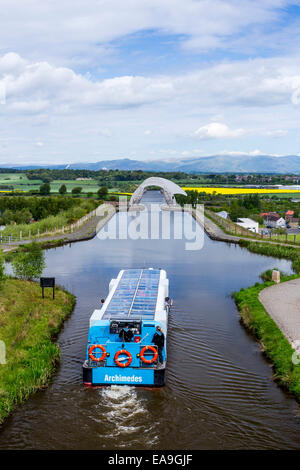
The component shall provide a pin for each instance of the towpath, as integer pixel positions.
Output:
(85, 232)
(282, 302)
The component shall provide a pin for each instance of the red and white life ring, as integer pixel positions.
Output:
(123, 364)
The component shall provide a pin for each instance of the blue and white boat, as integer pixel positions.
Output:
(120, 349)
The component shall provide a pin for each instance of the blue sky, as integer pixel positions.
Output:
(148, 79)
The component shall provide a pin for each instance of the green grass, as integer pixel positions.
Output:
(289, 238)
(21, 182)
(276, 347)
(49, 224)
(276, 251)
(28, 324)
(90, 186)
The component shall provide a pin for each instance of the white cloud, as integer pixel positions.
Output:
(105, 132)
(39, 144)
(276, 133)
(233, 153)
(73, 32)
(217, 130)
(33, 87)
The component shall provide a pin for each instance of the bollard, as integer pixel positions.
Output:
(276, 276)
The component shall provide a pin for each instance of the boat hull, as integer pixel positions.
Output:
(96, 376)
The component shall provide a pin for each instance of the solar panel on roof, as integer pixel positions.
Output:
(135, 294)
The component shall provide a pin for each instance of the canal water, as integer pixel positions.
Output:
(219, 392)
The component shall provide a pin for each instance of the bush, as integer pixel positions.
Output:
(63, 189)
(102, 192)
(30, 264)
(45, 189)
(2, 275)
(77, 190)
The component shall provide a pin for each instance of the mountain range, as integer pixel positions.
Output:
(239, 163)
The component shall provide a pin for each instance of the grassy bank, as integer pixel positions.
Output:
(276, 251)
(275, 346)
(28, 325)
(52, 222)
(256, 319)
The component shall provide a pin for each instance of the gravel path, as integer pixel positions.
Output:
(282, 302)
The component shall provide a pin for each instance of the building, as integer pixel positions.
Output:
(267, 214)
(289, 215)
(223, 214)
(274, 221)
(249, 224)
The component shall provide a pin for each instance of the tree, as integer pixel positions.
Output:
(102, 192)
(63, 189)
(45, 189)
(2, 269)
(29, 264)
(77, 190)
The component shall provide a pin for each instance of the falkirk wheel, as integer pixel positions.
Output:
(168, 188)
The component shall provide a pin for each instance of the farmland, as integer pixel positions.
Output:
(20, 182)
(243, 190)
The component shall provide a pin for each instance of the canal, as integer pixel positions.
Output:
(219, 392)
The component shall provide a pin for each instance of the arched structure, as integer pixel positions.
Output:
(168, 188)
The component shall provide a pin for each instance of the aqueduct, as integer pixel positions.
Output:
(168, 187)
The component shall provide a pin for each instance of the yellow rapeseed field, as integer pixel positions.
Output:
(241, 190)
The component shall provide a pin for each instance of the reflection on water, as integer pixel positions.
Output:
(219, 392)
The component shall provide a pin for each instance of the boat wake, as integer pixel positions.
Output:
(126, 416)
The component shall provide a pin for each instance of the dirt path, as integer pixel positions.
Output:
(282, 302)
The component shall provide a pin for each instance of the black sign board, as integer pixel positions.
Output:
(47, 282)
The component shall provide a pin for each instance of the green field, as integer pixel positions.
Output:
(89, 186)
(20, 182)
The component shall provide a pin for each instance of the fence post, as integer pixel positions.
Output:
(38, 232)
(20, 234)
(294, 238)
(29, 235)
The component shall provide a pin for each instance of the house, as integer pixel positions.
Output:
(223, 214)
(274, 221)
(293, 222)
(289, 215)
(267, 214)
(249, 224)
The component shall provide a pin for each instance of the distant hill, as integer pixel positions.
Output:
(213, 164)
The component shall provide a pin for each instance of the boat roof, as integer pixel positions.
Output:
(135, 295)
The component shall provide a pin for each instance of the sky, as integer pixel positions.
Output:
(84, 81)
